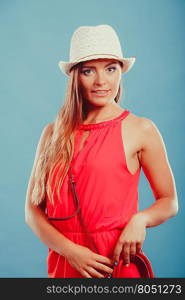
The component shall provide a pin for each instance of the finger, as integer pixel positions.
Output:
(138, 247)
(95, 273)
(126, 254)
(116, 254)
(132, 250)
(86, 274)
(103, 259)
(103, 267)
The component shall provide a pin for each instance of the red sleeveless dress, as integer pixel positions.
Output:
(107, 191)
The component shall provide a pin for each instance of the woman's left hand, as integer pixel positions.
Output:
(131, 239)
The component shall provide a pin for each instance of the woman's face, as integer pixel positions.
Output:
(99, 80)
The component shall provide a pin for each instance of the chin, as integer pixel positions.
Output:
(97, 104)
(100, 102)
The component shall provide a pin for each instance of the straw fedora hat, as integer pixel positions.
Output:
(93, 42)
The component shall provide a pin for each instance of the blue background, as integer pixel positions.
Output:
(35, 35)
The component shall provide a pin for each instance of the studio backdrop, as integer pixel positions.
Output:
(35, 35)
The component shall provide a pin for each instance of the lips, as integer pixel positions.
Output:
(100, 91)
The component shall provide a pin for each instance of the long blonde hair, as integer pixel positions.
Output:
(59, 146)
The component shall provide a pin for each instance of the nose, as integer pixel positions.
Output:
(100, 78)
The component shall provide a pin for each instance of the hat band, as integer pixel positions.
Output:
(112, 55)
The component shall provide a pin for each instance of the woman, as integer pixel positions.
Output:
(105, 146)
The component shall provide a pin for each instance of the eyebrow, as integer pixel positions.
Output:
(105, 65)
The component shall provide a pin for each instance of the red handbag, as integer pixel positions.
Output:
(140, 266)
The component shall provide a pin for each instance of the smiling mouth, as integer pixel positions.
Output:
(101, 92)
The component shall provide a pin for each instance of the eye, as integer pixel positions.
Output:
(112, 68)
(86, 72)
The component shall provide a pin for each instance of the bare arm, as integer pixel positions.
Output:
(156, 167)
(35, 215)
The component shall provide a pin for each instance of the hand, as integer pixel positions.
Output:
(88, 263)
(131, 239)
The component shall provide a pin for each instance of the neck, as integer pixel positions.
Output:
(101, 114)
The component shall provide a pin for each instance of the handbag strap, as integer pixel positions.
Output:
(77, 202)
(75, 197)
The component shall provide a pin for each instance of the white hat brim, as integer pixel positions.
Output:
(127, 63)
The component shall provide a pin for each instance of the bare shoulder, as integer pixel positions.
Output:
(142, 124)
(148, 132)
(44, 137)
(138, 120)
(142, 130)
(47, 131)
